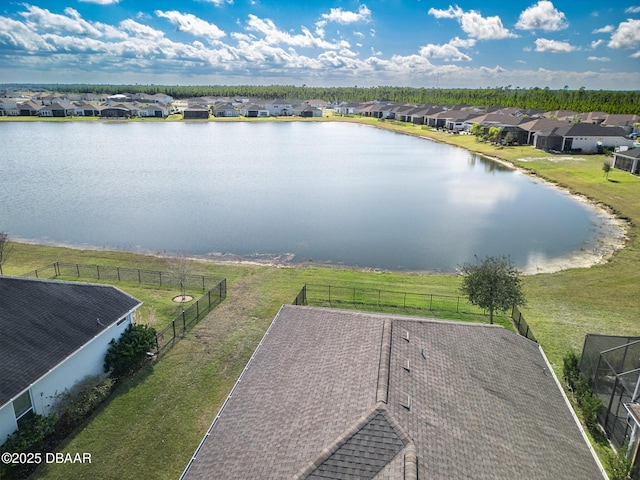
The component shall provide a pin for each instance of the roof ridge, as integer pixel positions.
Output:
(382, 389)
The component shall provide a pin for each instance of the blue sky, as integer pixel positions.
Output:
(416, 43)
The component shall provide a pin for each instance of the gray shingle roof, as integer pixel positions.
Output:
(343, 394)
(43, 322)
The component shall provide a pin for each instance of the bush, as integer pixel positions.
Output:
(75, 404)
(571, 370)
(126, 355)
(30, 438)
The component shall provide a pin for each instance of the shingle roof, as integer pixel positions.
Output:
(343, 394)
(42, 322)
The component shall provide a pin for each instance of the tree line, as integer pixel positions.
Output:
(581, 100)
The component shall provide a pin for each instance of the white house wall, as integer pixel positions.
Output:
(590, 144)
(88, 360)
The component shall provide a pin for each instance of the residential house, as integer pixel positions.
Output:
(29, 108)
(353, 395)
(309, 112)
(6, 106)
(581, 137)
(53, 335)
(116, 111)
(86, 109)
(251, 110)
(561, 114)
(63, 108)
(196, 112)
(348, 108)
(224, 110)
(279, 108)
(627, 160)
(630, 123)
(540, 125)
(154, 110)
(315, 103)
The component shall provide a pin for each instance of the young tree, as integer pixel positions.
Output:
(5, 248)
(606, 168)
(493, 284)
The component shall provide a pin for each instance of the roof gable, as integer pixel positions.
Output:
(43, 322)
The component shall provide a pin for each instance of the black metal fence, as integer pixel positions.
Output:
(109, 273)
(215, 290)
(372, 298)
(189, 317)
(521, 324)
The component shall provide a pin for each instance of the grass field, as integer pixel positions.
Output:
(152, 424)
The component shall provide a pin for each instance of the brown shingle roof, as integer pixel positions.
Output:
(343, 394)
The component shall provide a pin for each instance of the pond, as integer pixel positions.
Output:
(331, 193)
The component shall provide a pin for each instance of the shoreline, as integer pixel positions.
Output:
(612, 230)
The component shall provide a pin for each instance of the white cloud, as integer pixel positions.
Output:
(599, 59)
(272, 35)
(344, 17)
(635, 9)
(101, 2)
(219, 3)
(40, 19)
(553, 46)
(141, 30)
(626, 36)
(605, 29)
(596, 43)
(446, 52)
(542, 16)
(474, 24)
(186, 22)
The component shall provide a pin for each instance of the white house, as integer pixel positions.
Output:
(278, 109)
(53, 334)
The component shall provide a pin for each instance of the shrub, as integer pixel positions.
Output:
(571, 370)
(30, 438)
(75, 404)
(126, 355)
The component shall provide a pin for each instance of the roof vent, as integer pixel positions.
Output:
(406, 335)
(405, 400)
(406, 365)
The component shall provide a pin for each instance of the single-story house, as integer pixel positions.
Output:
(53, 334)
(115, 111)
(86, 109)
(352, 395)
(29, 108)
(348, 108)
(224, 110)
(252, 110)
(581, 137)
(152, 111)
(309, 112)
(196, 112)
(627, 160)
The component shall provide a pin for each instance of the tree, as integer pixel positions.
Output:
(6, 247)
(125, 355)
(493, 284)
(606, 168)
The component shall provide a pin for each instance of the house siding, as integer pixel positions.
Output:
(88, 360)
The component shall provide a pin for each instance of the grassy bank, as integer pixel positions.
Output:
(152, 424)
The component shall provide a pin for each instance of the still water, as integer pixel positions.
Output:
(325, 192)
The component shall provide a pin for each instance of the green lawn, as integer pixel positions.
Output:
(152, 424)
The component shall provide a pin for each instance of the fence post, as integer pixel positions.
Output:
(78, 270)
(430, 301)
(160, 275)
(173, 324)
(405, 300)
(330, 296)
(139, 279)
(56, 269)
(118, 269)
(98, 270)
(184, 323)
(198, 309)
(157, 345)
(458, 306)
